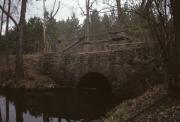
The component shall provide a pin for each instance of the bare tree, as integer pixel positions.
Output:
(118, 2)
(9, 15)
(164, 21)
(87, 19)
(44, 28)
(53, 13)
(113, 6)
(2, 18)
(7, 33)
(89, 5)
(19, 49)
(176, 21)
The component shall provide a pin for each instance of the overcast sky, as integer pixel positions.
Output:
(67, 7)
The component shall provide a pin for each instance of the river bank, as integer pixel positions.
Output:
(33, 78)
(155, 105)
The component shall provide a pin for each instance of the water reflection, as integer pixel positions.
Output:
(65, 105)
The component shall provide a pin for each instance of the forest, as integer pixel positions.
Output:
(25, 39)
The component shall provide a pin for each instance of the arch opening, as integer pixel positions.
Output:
(95, 83)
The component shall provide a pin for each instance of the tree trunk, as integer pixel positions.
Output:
(45, 118)
(19, 112)
(7, 110)
(19, 75)
(118, 2)
(7, 33)
(175, 83)
(0, 116)
(59, 119)
(176, 10)
(87, 19)
(44, 29)
(2, 17)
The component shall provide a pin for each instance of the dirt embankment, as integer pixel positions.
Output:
(33, 78)
(155, 105)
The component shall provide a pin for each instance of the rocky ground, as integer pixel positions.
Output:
(156, 105)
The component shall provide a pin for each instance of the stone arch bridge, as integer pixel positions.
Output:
(120, 65)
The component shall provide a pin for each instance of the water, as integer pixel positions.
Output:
(62, 105)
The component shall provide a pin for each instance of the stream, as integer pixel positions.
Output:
(60, 105)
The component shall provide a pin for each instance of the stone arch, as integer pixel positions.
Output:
(95, 81)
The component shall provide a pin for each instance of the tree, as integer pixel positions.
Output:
(51, 31)
(87, 19)
(7, 33)
(2, 18)
(74, 25)
(19, 74)
(68, 29)
(19, 49)
(176, 22)
(51, 16)
(7, 17)
(106, 22)
(163, 19)
(95, 23)
(33, 41)
(118, 2)
(89, 5)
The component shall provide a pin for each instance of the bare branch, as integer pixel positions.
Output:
(104, 10)
(56, 10)
(108, 4)
(2, 17)
(53, 7)
(92, 3)
(4, 11)
(81, 8)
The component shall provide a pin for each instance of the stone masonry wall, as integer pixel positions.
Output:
(129, 71)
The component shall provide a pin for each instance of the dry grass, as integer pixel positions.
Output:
(33, 78)
(165, 110)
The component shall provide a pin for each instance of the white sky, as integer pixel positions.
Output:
(67, 7)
